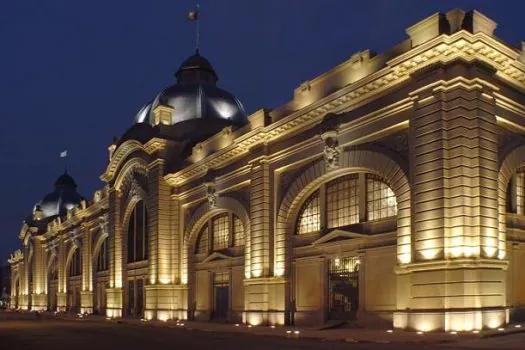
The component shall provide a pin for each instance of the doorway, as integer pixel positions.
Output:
(343, 288)
(135, 297)
(221, 286)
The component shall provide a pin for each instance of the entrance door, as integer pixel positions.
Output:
(221, 286)
(343, 278)
(222, 301)
(131, 297)
(140, 296)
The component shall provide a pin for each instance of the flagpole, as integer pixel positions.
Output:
(198, 27)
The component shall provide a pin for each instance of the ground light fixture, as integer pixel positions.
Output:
(454, 332)
(517, 326)
(420, 333)
(501, 329)
(390, 331)
(475, 331)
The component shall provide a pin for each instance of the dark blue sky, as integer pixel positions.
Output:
(74, 73)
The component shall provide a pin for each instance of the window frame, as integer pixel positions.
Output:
(209, 228)
(361, 201)
(138, 250)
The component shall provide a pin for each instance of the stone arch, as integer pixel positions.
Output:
(508, 167)
(69, 256)
(119, 157)
(351, 161)
(101, 236)
(50, 261)
(203, 213)
(126, 174)
(130, 205)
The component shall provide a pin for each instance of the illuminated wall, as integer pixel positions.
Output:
(437, 121)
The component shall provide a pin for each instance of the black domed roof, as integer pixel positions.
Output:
(65, 180)
(194, 65)
(63, 198)
(195, 104)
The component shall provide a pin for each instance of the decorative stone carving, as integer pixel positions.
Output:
(211, 195)
(331, 150)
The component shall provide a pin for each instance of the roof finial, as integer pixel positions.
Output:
(193, 15)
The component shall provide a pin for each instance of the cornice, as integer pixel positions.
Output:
(444, 49)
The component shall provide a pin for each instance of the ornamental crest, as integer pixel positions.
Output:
(211, 195)
(331, 150)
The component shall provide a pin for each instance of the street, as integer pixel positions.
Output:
(58, 334)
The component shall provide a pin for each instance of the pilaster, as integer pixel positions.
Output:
(115, 247)
(25, 267)
(457, 279)
(163, 301)
(264, 295)
(86, 295)
(61, 293)
(39, 293)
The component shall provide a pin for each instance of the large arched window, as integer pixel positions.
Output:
(346, 201)
(310, 218)
(75, 265)
(102, 258)
(223, 231)
(138, 233)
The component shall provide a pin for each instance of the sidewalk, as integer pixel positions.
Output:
(351, 335)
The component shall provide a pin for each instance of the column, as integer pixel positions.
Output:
(264, 294)
(25, 267)
(39, 293)
(86, 294)
(114, 293)
(453, 154)
(62, 277)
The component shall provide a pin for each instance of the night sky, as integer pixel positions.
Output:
(74, 73)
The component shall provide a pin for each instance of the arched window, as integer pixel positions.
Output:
(220, 232)
(202, 245)
(346, 201)
(75, 265)
(102, 259)
(138, 233)
(342, 201)
(223, 231)
(238, 232)
(310, 218)
(381, 201)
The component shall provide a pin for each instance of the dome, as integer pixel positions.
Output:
(195, 104)
(63, 198)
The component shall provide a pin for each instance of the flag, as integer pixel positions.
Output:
(63, 154)
(193, 15)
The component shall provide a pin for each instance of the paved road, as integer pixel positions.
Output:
(79, 335)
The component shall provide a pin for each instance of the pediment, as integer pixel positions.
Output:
(217, 256)
(337, 235)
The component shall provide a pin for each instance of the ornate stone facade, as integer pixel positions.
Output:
(404, 207)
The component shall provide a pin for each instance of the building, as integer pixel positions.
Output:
(391, 189)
